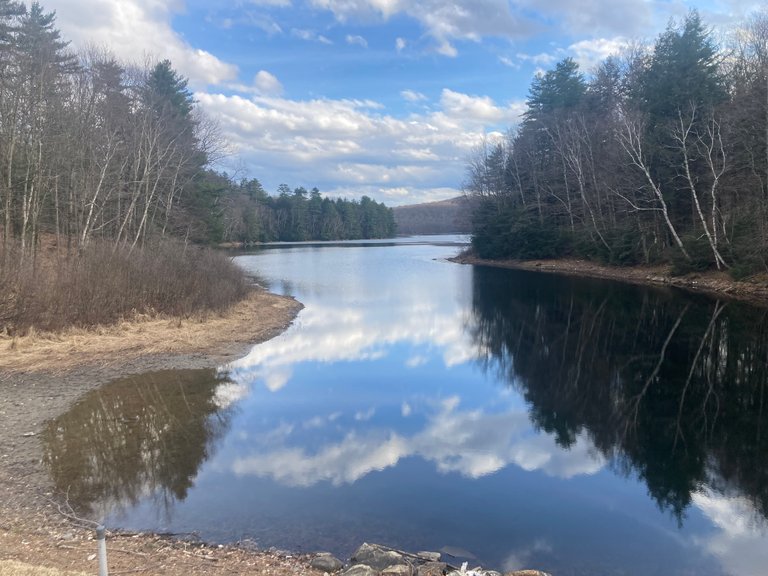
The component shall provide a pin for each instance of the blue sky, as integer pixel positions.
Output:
(379, 97)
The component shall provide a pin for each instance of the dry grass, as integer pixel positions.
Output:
(12, 568)
(251, 320)
(102, 285)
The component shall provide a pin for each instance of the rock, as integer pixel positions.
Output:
(492, 573)
(326, 562)
(360, 570)
(429, 556)
(433, 569)
(526, 573)
(397, 570)
(458, 552)
(376, 557)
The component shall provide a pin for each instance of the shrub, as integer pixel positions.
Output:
(101, 285)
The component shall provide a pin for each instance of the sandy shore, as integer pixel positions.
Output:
(41, 376)
(753, 290)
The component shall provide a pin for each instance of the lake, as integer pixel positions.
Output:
(530, 420)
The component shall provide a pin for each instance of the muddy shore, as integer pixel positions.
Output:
(717, 284)
(41, 376)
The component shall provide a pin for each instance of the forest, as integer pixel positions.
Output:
(660, 155)
(251, 215)
(91, 148)
(101, 162)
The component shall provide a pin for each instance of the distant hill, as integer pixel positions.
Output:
(453, 216)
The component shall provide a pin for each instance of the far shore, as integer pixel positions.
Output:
(753, 290)
(42, 375)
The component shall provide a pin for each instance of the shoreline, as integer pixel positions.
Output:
(716, 284)
(42, 376)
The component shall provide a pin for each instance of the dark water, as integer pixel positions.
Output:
(576, 426)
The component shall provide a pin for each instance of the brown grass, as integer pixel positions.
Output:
(11, 568)
(249, 321)
(102, 285)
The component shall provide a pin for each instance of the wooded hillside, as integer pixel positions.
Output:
(661, 154)
(452, 216)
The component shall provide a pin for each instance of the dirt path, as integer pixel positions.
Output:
(42, 376)
(753, 290)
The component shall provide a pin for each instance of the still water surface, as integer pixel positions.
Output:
(576, 426)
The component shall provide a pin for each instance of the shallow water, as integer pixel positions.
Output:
(576, 426)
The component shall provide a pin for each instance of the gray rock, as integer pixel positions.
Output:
(492, 573)
(397, 570)
(376, 557)
(326, 562)
(429, 556)
(433, 569)
(360, 570)
(457, 552)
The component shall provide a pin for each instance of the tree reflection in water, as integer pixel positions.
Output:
(140, 436)
(669, 387)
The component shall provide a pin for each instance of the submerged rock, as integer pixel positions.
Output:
(376, 557)
(326, 562)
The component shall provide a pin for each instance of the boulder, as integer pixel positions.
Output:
(433, 569)
(397, 570)
(429, 556)
(326, 562)
(376, 557)
(360, 570)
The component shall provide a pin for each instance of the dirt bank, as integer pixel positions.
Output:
(753, 290)
(41, 376)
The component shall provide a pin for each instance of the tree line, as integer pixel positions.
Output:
(92, 148)
(660, 155)
(251, 215)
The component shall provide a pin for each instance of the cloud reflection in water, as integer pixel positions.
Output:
(472, 443)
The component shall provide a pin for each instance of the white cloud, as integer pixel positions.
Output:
(446, 49)
(542, 59)
(416, 361)
(136, 28)
(267, 84)
(353, 40)
(443, 20)
(413, 96)
(586, 53)
(626, 17)
(270, 3)
(400, 44)
(310, 36)
(472, 443)
(507, 61)
(739, 540)
(364, 416)
(229, 393)
(340, 144)
(589, 53)
(333, 334)
(263, 22)
(479, 108)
